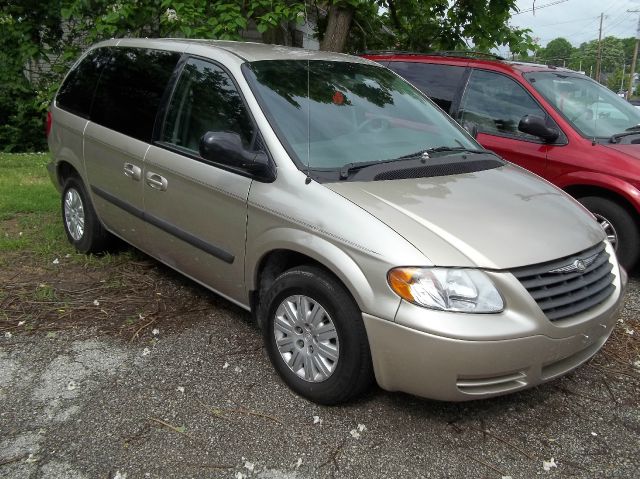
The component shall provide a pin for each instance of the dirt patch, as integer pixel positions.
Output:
(128, 295)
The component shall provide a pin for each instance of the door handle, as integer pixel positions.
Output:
(132, 171)
(156, 181)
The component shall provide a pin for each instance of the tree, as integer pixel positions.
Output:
(557, 52)
(612, 55)
(39, 40)
(440, 24)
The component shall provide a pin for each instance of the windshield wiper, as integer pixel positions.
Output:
(440, 149)
(425, 154)
(351, 167)
(634, 130)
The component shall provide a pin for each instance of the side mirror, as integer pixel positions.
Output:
(226, 147)
(536, 126)
(471, 127)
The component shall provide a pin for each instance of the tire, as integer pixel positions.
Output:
(319, 377)
(623, 228)
(81, 224)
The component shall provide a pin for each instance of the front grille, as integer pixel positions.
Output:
(562, 290)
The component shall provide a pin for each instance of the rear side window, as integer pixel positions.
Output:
(205, 99)
(496, 104)
(76, 93)
(440, 82)
(131, 88)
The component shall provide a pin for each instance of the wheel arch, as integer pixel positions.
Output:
(617, 196)
(282, 255)
(582, 183)
(65, 170)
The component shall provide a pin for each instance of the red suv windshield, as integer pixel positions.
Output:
(595, 111)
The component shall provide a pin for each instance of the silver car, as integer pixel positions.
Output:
(369, 234)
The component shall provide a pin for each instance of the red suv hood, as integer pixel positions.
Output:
(631, 150)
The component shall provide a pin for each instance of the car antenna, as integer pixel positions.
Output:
(307, 180)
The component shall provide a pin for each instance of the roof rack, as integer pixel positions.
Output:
(391, 52)
(446, 53)
(470, 54)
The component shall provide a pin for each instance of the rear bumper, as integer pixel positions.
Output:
(437, 367)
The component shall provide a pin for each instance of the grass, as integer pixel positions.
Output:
(29, 207)
(25, 186)
(30, 218)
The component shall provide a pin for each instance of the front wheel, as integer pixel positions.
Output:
(81, 224)
(315, 337)
(620, 227)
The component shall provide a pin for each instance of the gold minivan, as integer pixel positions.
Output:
(369, 234)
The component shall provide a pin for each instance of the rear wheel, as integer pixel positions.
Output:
(620, 227)
(81, 224)
(315, 336)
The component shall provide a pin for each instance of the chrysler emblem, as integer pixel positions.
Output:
(578, 265)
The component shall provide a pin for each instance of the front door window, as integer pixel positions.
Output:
(496, 104)
(205, 99)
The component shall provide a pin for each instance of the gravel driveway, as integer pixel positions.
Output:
(198, 398)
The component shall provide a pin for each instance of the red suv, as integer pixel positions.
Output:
(558, 123)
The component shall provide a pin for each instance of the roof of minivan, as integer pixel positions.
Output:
(248, 51)
(450, 59)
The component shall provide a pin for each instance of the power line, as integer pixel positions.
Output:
(569, 21)
(533, 9)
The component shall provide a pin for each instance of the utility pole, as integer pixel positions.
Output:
(599, 57)
(624, 67)
(632, 72)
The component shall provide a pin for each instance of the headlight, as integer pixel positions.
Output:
(446, 289)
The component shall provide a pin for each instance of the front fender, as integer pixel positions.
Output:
(370, 293)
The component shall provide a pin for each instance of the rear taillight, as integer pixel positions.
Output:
(47, 124)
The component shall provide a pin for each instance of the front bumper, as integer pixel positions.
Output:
(453, 369)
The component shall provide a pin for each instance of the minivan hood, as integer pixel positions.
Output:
(496, 219)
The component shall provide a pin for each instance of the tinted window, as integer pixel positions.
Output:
(205, 99)
(330, 114)
(76, 93)
(130, 90)
(496, 104)
(440, 82)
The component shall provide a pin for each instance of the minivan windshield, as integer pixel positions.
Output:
(330, 114)
(594, 110)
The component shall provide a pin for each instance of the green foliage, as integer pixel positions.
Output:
(442, 25)
(40, 40)
(27, 30)
(557, 52)
(615, 80)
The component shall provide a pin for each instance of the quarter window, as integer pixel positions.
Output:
(440, 82)
(131, 88)
(496, 104)
(205, 99)
(76, 93)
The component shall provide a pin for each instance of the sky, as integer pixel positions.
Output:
(577, 20)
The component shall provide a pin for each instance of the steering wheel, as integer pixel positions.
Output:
(581, 114)
(373, 125)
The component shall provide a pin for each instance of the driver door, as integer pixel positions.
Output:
(196, 210)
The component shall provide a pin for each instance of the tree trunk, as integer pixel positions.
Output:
(338, 26)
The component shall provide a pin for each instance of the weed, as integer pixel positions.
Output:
(44, 292)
